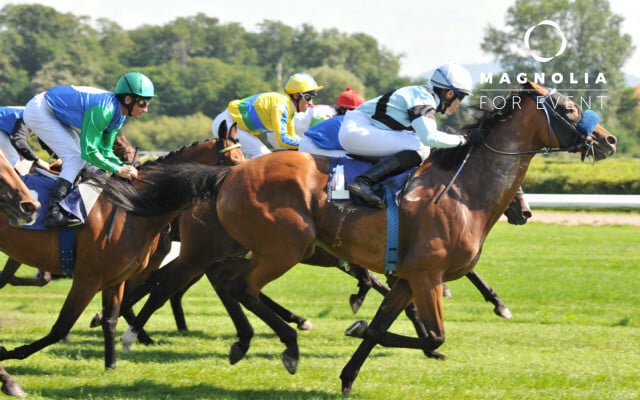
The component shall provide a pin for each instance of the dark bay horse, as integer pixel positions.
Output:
(276, 206)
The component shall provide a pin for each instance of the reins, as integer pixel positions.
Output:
(549, 112)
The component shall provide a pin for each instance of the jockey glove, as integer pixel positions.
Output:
(474, 136)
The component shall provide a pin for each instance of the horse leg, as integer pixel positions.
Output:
(10, 386)
(263, 270)
(78, 298)
(10, 268)
(500, 309)
(301, 322)
(161, 285)
(244, 330)
(392, 304)
(111, 301)
(7, 275)
(176, 306)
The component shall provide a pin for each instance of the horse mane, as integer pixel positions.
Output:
(485, 117)
(175, 153)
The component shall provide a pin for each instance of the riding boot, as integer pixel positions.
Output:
(388, 166)
(56, 216)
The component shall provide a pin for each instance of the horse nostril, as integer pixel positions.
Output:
(612, 140)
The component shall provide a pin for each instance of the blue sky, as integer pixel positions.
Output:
(420, 30)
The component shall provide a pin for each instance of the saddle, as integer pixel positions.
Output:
(78, 202)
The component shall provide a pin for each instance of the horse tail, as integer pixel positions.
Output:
(164, 189)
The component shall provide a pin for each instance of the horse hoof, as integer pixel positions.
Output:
(357, 329)
(355, 301)
(502, 311)
(11, 388)
(96, 320)
(446, 292)
(236, 353)
(435, 354)
(290, 363)
(305, 325)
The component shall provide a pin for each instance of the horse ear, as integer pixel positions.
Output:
(222, 130)
(537, 88)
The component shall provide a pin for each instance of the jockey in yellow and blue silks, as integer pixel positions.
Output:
(271, 114)
(80, 125)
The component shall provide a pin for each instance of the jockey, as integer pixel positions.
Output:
(322, 137)
(80, 125)
(14, 140)
(270, 113)
(400, 127)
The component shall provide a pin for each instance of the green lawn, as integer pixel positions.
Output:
(574, 293)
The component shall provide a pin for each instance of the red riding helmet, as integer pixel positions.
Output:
(350, 99)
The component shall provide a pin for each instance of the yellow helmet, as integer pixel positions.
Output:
(301, 82)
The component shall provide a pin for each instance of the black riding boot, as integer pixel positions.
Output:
(389, 166)
(56, 216)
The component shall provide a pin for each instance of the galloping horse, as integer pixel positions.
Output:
(281, 196)
(111, 247)
(18, 203)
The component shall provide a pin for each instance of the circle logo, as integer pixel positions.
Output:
(563, 44)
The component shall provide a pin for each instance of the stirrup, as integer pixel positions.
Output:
(369, 197)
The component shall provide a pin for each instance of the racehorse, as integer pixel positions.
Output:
(20, 207)
(281, 196)
(112, 247)
(127, 153)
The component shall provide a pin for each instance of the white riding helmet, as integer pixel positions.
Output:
(454, 77)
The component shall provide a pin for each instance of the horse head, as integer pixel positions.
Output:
(125, 150)
(569, 127)
(15, 198)
(228, 145)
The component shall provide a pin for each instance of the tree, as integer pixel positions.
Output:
(595, 46)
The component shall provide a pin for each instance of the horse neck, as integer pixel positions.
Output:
(495, 178)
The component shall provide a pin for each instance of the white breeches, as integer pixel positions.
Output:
(358, 136)
(63, 140)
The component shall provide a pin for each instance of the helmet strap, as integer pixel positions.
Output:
(445, 101)
(296, 101)
(129, 106)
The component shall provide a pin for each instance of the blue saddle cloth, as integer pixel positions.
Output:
(41, 186)
(353, 168)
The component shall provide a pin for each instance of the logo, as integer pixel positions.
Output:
(527, 37)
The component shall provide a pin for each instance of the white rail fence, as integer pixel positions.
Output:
(631, 201)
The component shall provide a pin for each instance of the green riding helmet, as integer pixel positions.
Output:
(135, 83)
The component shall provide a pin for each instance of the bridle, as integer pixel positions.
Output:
(568, 135)
(222, 160)
(569, 138)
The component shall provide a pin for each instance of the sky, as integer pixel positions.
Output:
(426, 34)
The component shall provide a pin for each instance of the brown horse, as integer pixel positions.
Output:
(127, 153)
(111, 247)
(276, 206)
(20, 207)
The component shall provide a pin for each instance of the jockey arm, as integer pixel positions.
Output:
(96, 145)
(283, 127)
(18, 139)
(424, 123)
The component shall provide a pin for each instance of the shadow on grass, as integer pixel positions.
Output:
(145, 389)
